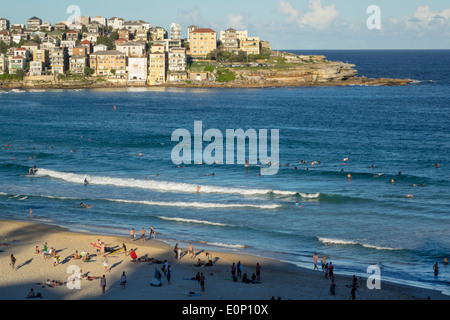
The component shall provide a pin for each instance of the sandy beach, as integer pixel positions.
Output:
(278, 279)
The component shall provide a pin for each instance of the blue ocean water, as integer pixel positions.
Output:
(125, 154)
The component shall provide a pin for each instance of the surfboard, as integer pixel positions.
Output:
(88, 207)
(118, 250)
(23, 198)
(95, 245)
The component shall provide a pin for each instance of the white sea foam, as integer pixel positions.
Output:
(164, 186)
(204, 205)
(349, 242)
(194, 221)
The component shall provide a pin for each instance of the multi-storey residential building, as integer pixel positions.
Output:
(59, 60)
(137, 69)
(141, 35)
(31, 46)
(84, 20)
(175, 31)
(77, 64)
(189, 30)
(99, 20)
(25, 53)
(158, 33)
(50, 43)
(177, 59)
(111, 62)
(72, 35)
(251, 45)
(34, 23)
(116, 23)
(17, 63)
(69, 44)
(230, 40)
(124, 34)
(87, 44)
(241, 35)
(60, 26)
(46, 26)
(43, 56)
(202, 41)
(4, 24)
(36, 68)
(5, 36)
(3, 64)
(157, 65)
(132, 49)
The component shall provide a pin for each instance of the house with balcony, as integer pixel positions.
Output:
(43, 56)
(34, 24)
(4, 24)
(157, 62)
(230, 40)
(50, 43)
(36, 68)
(251, 45)
(5, 36)
(111, 63)
(77, 64)
(17, 63)
(59, 60)
(202, 41)
(132, 49)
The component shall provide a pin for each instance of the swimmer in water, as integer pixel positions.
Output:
(419, 185)
(198, 188)
(409, 196)
(85, 181)
(436, 165)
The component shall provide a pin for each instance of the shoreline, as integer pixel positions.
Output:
(278, 278)
(206, 85)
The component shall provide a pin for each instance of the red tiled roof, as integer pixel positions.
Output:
(203, 30)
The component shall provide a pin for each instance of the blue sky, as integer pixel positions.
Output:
(286, 24)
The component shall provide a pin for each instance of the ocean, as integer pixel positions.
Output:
(377, 134)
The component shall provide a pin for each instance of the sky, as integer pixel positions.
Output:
(286, 24)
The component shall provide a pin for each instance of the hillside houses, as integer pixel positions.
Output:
(115, 49)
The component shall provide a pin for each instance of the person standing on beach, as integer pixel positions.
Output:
(152, 233)
(45, 250)
(239, 269)
(191, 251)
(143, 234)
(169, 273)
(124, 247)
(105, 264)
(202, 281)
(123, 280)
(132, 234)
(323, 261)
(331, 270)
(103, 283)
(13, 262)
(258, 272)
(31, 213)
(315, 259)
(176, 250)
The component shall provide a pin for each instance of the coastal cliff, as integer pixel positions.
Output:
(281, 70)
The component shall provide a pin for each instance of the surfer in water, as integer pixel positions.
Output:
(198, 188)
(86, 182)
(32, 171)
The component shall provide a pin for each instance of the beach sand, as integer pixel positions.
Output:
(278, 279)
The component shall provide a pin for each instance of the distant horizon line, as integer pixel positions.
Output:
(360, 49)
